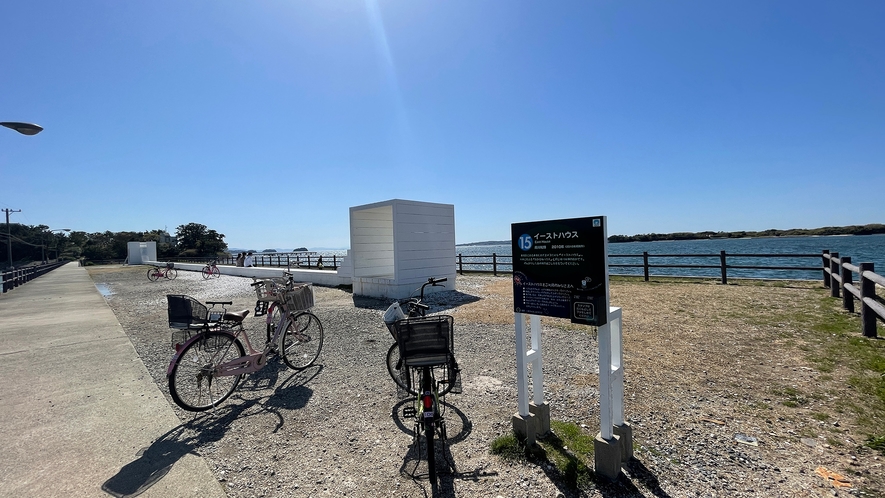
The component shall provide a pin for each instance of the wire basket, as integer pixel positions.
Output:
(270, 289)
(300, 297)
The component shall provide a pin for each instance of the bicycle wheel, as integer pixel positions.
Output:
(276, 314)
(399, 372)
(302, 341)
(449, 377)
(207, 272)
(171, 273)
(193, 383)
(153, 275)
(216, 272)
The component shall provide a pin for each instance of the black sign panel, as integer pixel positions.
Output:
(560, 269)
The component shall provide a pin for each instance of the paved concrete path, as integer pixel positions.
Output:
(79, 413)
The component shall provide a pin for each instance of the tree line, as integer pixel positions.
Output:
(870, 229)
(38, 243)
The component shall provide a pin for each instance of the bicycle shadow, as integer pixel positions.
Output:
(155, 461)
(414, 463)
(438, 301)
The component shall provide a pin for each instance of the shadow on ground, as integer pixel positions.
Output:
(155, 461)
(438, 301)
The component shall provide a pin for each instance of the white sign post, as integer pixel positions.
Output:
(614, 443)
(533, 418)
(560, 269)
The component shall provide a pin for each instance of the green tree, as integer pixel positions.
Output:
(199, 240)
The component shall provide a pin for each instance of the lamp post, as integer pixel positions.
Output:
(43, 241)
(24, 129)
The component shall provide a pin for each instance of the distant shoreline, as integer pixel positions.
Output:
(872, 229)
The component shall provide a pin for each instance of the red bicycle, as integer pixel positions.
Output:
(211, 270)
(156, 273)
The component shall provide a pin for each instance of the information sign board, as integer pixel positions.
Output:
(560, 269)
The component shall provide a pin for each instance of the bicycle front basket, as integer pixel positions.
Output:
(268, 291)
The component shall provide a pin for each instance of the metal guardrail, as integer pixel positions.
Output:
(274, 259)
(15, 277)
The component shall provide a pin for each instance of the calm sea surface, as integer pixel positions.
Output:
(861, 249)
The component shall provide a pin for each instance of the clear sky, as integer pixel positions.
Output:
(266, 120)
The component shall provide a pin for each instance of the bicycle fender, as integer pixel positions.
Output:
(178, 354)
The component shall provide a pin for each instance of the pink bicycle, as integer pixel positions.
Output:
(210, 359)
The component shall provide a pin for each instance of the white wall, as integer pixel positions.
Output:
(371, 241)
(141, 252)
(397, 245)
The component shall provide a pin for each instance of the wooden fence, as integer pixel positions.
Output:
(839, 277)
(504, 263)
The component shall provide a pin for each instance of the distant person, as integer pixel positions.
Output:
(320, 263)
(241, 258)
(249, 261)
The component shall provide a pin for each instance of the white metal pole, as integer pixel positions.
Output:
(537, 362)
(521, 374)
(605, 391)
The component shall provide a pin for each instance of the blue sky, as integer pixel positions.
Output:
(267, 120)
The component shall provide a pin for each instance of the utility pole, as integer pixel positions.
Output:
(9, 234)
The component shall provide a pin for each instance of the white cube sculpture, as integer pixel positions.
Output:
(396, 245)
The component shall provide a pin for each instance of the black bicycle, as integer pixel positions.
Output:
(422, 363)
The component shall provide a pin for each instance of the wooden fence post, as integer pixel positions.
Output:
(867, 290)
(834, 271)
(495, 264)
(722, 267)
(826, 265)
(645, 264)
(847, 297)
(460, 265)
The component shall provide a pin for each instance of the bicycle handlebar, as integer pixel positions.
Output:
(223, 303)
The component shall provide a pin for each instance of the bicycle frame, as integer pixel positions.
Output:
(252, 362)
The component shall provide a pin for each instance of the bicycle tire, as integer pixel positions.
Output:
(276, 314)
(153, 275)
(216, 272)
(302, 341)
(399, 372)
(429, 424)
(207, 272)
(196, 364)
(171, 273)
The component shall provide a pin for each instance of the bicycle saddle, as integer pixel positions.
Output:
(236, 316)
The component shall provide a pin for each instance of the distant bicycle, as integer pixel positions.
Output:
(156, 273)
(211, 270)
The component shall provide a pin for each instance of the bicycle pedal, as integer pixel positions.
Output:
(409, 412)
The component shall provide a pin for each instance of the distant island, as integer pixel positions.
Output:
(872, 229)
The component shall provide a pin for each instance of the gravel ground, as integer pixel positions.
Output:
(335, 429)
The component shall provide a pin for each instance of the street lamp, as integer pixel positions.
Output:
(43, 241)
(24, 129)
